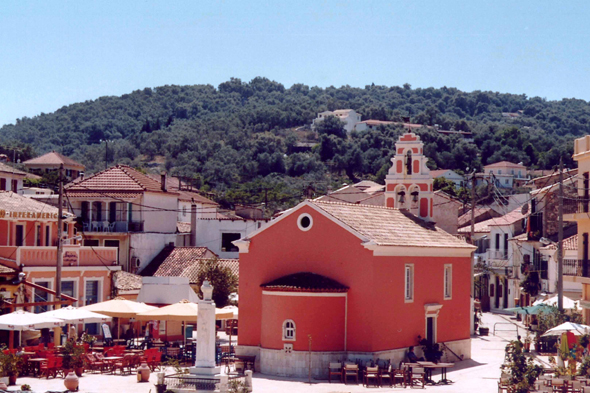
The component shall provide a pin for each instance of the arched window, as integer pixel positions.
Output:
(409, 162)
(289, 330)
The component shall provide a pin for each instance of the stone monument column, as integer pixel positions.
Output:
(206, 333)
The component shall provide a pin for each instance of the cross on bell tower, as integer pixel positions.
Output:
(408, 185)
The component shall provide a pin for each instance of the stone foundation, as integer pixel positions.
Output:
(296, 363)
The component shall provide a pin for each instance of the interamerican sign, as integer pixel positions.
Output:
(39, 215)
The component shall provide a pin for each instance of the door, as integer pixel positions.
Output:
(497, 294)
(19, 239)
(430, 330)
(112, 212)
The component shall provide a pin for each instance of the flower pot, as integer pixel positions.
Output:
(71, 381)
(143, 373)
(160, 388)
(484, 331)
(79, 371)
(12, 379)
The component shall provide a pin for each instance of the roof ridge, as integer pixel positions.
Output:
(353, 204)
(126, 168)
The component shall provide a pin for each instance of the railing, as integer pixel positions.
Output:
(575, 267)
(497, 254)
(115, 226)
(189, 382)
(576, 205)
(73, 255)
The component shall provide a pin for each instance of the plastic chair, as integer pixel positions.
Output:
(417, 377)
(48, 368)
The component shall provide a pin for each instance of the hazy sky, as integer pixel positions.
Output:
(54, 53)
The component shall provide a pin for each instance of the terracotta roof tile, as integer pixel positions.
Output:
(509, 219)
(503, 164)
(125, 281)
(305, 281)
(8, 169)
(390, 227)
(117, 178)
(187, 262)
(479, 227)
(53, 158)
(173, 183)
(465, 219)
(11, 202)
(106, 194)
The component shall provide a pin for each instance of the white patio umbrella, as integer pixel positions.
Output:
(77, 315)
(568, 304)
(231, 309)
(575, 328)
(23, 320)
(183, 311)
(119, 308)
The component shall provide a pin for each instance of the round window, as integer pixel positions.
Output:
(305, 222)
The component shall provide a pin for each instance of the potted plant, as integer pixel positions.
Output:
(484, 330)
(87, 339)
(73, 357)
(522, 371)
(432, 352)
(26, 388)
(11, 365)
(527, 342)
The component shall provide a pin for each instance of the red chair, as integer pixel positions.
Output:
(93, 364)
(48, 368)
(51, 346)
(123, 364)
(59, 367)
(86, 347)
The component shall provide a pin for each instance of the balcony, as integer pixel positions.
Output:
(73, 255)
(111, 227)
(496, 254)
(576, 268)
(576, 206)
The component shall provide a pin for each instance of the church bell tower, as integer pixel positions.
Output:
(408, 185)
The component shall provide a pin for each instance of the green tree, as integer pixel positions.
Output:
(222, 279)
(331, 125)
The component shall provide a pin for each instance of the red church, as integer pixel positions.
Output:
(355, 281)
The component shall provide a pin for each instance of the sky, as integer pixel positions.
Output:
(56, 53)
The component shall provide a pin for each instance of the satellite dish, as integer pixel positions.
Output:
(525, 209)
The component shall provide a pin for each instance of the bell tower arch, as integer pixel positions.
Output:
(408, 185)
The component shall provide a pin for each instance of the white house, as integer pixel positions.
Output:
(449, 174)
(348, 116)
(11, 179)
(121, 207)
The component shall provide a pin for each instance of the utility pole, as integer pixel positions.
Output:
(59, 234)
(473, 202)
(560, 241)
(106, 154)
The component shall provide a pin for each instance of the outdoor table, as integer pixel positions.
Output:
(248, 360)
(37, 362)
(111, 359)
(428, 366)
(443, 373)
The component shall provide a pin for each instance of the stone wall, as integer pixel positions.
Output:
(296, 363)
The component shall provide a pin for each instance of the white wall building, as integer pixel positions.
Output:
(348, 116)
(449, 174)
(11, 179)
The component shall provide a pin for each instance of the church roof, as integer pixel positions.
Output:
(304, 282)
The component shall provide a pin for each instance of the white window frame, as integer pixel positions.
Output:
(75, 281)
(288, 337)
(448, 281)
(409, 283)
(51, 281)
(100, 289)
(300, 218)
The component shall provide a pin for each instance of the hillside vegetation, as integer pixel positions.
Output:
(239, 139)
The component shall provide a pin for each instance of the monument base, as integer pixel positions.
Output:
(205, 371)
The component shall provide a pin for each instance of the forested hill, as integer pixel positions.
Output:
(239, 138)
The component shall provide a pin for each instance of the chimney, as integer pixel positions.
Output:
(193, 225)
(163, 181)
